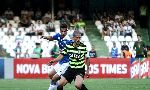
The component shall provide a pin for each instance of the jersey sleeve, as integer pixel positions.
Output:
(64, 51)
(56, 36)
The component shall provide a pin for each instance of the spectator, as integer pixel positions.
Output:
(39, 28)
(9, 14)
(19, 38)
(139, 47)
(46, 17)
(124, 46)
(37, 52)
(55, 51)
(121, 30)
(100, 26)
(51, 26)
(25, 21)
(114, 51)
(148, 52)
(145, 51)
(38, 14)
(17, 50)
(31, 13)
(128, 30)
(10, 30)
(26, 54)
(127, 53)
(31, 31)
(92, 53)
(131, 22)
(24, 12)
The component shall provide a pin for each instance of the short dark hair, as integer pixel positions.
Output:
(63, 26)
(127, 48)
(37, 43)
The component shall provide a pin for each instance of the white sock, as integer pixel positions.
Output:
(57, 84)
(51, 86)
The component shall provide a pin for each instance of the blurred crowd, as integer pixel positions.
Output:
(31, 25)
(118, 29)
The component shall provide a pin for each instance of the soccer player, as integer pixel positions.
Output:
(63, 64)
(77, 54)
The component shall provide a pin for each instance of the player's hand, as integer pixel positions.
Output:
(50, 63)
(87, 74)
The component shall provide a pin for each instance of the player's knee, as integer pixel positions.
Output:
(78, 86)
(50, 75)
(56, 77)
(62, 83)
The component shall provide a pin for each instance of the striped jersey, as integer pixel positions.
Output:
(62, 42)
(76, 55)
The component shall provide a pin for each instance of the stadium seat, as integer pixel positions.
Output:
(46, 34)
(107, 38)
(5, 29)
(109, 44)
(57, 22)
(27, 29)
(121, 38)
(34, 38)
(52, 33)
(134, 38)
(128, 38)
(2, 34)
(27, 38)
(131, 44)
(12, 38)
(12, 54)
(114, 38)
(88, 45)
(11, 22)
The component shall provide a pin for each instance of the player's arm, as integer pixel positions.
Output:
(61, 55)
(87, 59)
(50, 38)
(87, 63)
(56, 59)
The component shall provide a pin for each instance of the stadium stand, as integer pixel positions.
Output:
(9, 42)
(120, 27)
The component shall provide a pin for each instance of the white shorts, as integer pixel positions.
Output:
(61, 68)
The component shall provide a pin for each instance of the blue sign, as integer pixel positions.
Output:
(1, 68)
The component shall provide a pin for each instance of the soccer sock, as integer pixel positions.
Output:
(83, 87)
(58, 87)
(52, 85)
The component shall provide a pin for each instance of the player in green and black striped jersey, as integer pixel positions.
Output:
(77, 54)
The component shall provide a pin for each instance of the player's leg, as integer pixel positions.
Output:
(62, 82)
(61, 71)
(68, 76)
(79, 83)
(51, 75)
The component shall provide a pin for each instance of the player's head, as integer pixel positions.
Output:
(76, 36)
(127, 48)
(63, 30)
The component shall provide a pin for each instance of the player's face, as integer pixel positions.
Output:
(77, 38)
(63, 32)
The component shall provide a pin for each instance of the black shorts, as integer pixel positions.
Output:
(71, 73)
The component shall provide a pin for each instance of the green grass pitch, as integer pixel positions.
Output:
(92, 84)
